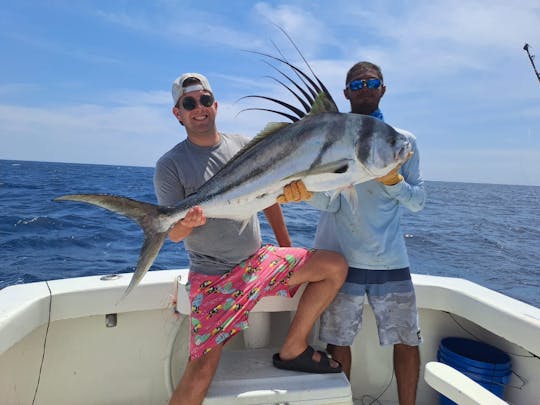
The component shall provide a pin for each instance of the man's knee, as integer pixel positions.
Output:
(339, 266)
(403, 351)
(324, 265)
(405, 348)
(334, 265)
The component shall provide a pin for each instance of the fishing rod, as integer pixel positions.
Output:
(531, 58)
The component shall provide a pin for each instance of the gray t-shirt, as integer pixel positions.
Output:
(217, 246)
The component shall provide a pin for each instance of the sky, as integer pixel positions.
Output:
(89, 81)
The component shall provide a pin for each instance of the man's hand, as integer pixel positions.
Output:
(295, 191)
(393, 177)
(194, 218)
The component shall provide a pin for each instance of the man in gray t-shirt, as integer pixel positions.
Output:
(228, 266)
(218, 246)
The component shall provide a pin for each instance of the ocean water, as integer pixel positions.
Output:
(486, 233)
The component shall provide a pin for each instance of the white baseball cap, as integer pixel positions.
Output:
(178, 89)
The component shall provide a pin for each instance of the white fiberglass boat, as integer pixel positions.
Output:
(72, 341)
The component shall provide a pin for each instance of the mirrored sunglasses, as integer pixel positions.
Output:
(361, 83)
(189, 103)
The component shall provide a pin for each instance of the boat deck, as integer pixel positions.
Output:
(59, 346)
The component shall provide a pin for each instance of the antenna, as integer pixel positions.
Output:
(531, 58)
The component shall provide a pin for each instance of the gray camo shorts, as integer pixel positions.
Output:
(391, 296)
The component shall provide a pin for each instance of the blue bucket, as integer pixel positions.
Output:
(485, 364)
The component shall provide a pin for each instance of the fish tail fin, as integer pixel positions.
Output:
(150, 249)
(145, 214)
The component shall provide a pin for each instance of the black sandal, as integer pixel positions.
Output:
(304, 362)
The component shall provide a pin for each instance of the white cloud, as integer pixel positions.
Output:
(88, 133)
(456, 73)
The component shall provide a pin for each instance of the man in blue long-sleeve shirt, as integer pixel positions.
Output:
(371, 240)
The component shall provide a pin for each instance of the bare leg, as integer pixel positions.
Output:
(325, 271)
(197, 378)
(406, 367)
(343, 355)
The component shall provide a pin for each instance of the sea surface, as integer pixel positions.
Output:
(486, 233)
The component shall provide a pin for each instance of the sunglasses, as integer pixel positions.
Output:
(361, 83)
(189, 103)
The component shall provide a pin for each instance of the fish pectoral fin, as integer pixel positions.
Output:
(351, 196)
(339, 166)
(244, 224)
(335, 194)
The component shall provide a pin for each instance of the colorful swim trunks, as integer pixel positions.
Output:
(220, 304)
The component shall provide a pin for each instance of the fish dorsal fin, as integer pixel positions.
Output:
(269, 129)
(323, 104)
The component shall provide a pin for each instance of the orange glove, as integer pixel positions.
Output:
(295, 191)
(393, 177)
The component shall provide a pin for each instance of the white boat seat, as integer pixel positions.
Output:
(248, 377)
(457, 386)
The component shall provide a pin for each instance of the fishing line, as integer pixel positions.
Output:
(376, 399)
(477, 338)
(182, 318)
(44, 342)
(171, 384)
(531, 355)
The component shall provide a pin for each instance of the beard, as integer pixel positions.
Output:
(364, 106)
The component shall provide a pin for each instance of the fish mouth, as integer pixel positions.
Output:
(401, 154)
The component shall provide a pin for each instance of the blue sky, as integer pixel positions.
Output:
(89, 81)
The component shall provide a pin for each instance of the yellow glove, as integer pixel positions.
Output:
(295, 191)
(393, 177)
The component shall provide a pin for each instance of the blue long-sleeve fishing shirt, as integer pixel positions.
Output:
(370, 237)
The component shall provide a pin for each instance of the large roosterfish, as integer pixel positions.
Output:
(326, 149)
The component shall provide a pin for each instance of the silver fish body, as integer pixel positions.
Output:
(328, 151)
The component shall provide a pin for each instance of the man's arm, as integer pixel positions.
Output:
(410, 191)
(275, 218)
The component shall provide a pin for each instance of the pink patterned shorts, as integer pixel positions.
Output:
(220, 304)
